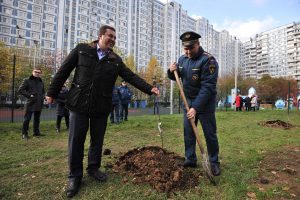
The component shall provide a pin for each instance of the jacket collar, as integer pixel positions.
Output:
(35, 78)
(111, 55)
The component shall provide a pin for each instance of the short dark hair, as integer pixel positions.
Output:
(103, 28)
(37, 68)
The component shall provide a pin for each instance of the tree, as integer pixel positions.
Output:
(270, 89)
(5, 68)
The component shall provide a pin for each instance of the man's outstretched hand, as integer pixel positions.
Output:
(155, 91)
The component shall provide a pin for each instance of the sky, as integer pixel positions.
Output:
(243, 18)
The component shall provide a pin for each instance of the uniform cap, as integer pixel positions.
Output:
(189, 38)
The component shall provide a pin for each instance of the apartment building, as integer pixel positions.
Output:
(30, 23)
(274, 52)
(144, 28)
(293, 50)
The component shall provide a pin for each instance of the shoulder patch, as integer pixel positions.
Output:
(212, 68)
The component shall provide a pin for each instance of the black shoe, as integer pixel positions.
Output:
(38, 134)
(190, 164)
(25, 137)
(98, 175)
(126, 119)
(73, 188)
(215, 169)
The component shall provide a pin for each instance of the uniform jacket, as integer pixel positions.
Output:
(33, 86)
(116, 95)
(199, 79)
(91, 89)
(125, 94)
(61, 102)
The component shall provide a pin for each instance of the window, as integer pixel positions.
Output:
(23, 6)
(37, 9)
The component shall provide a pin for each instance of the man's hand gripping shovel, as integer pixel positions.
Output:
(205, 162)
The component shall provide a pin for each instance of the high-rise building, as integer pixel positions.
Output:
(30, 23)
(274, 52)
(144, 29)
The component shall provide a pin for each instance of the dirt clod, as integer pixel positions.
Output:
(264, 180)
(161, 169)
(276, 124)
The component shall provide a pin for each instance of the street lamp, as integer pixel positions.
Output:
(36, 43)
(13, 78)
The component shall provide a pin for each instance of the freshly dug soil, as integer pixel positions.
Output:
(161, 169)
(276, 123)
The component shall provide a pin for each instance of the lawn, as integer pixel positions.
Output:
(37, 168)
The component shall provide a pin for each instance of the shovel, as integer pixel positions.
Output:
(205, 162)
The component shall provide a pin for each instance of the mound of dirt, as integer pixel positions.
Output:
(276, 123)
(161, 169)
(279, 173)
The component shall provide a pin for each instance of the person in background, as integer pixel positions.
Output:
(61, 110)
(253, 102)
(125, 96)
(90, 99)
(258, 102)
(248, 103)
(237, 103)
(33, 89)
(115, 106)
(198, 71)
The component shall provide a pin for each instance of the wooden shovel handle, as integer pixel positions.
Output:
(195, 130)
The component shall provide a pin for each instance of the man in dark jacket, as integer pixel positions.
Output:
(115, 106)
(61, 110)
(33, 89)
(90, 99)
(198, 71)
(125, 94)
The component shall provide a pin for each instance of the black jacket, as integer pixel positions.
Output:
(33, 86)
(91, 89)
(61, 102)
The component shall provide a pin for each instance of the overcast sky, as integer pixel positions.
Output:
(244, 18)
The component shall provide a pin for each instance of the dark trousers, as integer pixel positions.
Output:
(79, 125)
(115, 111)
(58, 121)
(36, 122)
(208, 122)
(124, 111)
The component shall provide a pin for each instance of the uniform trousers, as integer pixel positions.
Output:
(208, 123)
(79, 125)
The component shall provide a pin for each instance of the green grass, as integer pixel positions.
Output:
(37, 169)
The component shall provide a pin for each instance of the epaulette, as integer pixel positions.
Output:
(207, 54)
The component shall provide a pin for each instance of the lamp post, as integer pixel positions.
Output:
(36, 43)
(13, 79)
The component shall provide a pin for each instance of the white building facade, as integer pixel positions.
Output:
(144, 28)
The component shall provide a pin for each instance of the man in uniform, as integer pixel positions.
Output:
(198, 71)
(90, 99)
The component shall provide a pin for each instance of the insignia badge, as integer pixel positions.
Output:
(212, 68)
(195, 77)
(187, 36)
